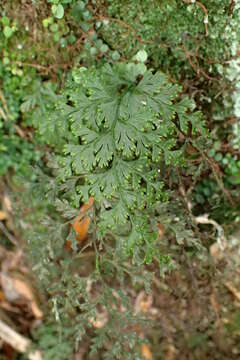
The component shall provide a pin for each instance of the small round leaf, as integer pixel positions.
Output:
(5, 21)
(141, 56)
(104, 48)
(8, 31)
(58, 11)
(115, 55)
(45, 23)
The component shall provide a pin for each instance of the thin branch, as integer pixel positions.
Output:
(206, 16)
(231, 8)
(204, 9)
(46, 69)
(221, 240)
(216, 172)
(4, 102)
(196, 68)
(17, 341)
(126, 25)
(7, 234)
(2, 114)
(233, 290)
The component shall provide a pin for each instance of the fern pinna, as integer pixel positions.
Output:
(125, 122)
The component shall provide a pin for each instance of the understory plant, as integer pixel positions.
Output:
(125, 133)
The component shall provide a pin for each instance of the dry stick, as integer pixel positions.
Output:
(221, 239)
(17, 341)
(218, 179)
(204, 10)
(215, 173)
(202, 219)
(199, 70)
(196, 68)
(206, 16)
(4, 102)
(194, 223)
(46, 69)
(2, 114)
(7, 234)
(186, 200)
(231, 7)
(233, 290)
(221, 91)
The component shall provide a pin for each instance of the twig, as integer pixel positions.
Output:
(215, 306)
(189, 57)
(7, 234)
(195, 177)
(231, 8)
(206, 16)
(205, 12)
(86, 254)
(214, 168)
(47, 69)
(123, 23)
(17, 341)
(221, 240)
(2, 114)
(216, 171)
(232, 289)
(187, 202)
(36, 66)
(4, 102)
(196, 68)
(19, 131)
(220, 92)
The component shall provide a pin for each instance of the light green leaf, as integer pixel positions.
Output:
(58, 11)
(115, 55)
(7, 31)
(5, 21)
(141, 56)
(104, 48)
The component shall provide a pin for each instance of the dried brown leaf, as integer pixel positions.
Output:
(7, 204)
(160, 231)
(216, 252)
(100, 320)
(8, 287)
(146, 352)
(15, 289)
(2, 297)
(143, 302)
(25, 291)
(3, 215)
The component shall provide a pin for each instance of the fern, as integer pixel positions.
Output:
(38, 108)
(121, 136)
(124, 125)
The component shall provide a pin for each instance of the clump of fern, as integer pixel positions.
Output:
(121, 126)
(124, 125)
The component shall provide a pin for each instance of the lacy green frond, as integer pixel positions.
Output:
(123, 126)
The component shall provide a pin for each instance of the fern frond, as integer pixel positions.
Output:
(124, 126)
